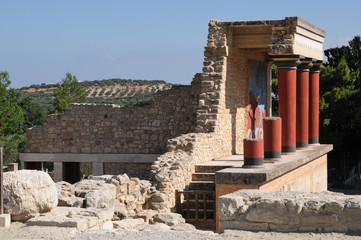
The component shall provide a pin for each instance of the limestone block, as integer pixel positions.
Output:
(291, 211)
(228, 206)
(157, 227)
(5, 220)
(183, 227)
(66, 195)
(100, 198)
(84, 186)
(28, 193)
(158, 197)
(127, 223)
(169, 218)
(80, 218)
(59, 221)
(120, 211)
(275, 211)
(146, 215)
(108, 225)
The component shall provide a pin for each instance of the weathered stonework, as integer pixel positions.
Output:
(93, 128)
(139, 170)
(258, 210)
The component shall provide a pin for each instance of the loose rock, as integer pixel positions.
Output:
(28, 193)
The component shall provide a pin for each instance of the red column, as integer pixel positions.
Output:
(302, 103)
(272, 132)
(313, 137)
(287, 73)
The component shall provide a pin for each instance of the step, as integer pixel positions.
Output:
(203, 176)
(210, 168)
(202, 185)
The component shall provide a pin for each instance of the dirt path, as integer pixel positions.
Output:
(20, 231)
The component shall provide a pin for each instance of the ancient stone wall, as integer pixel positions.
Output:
(258, 210)
(95, 128)
(139, 170)
(223, 103)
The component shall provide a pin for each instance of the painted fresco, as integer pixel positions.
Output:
(257, 91)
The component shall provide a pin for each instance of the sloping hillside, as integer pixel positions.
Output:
(119, 91)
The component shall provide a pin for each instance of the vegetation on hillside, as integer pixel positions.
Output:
(27, 107)
(124, 92)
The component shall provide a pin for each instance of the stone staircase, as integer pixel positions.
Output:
(199, 200)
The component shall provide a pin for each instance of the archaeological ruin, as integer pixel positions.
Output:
(189, 142)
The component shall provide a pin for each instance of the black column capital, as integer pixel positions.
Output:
(317, 66)
(306, 64)
(287, 61)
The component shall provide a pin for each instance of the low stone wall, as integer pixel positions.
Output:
(258, 210)
(173, 170)
(139, 170)
(128, 196)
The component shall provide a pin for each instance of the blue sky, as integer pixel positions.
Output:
(41, 40)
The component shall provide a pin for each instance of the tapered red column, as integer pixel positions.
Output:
(287, 73)
(313, 132)
(302, 109)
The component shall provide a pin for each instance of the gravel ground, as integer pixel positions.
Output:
(20, 231)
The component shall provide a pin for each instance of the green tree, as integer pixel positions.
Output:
(34, 113)
(12, 145)
(351, 53)
(11, 115)
(69, 92)
(340, 110)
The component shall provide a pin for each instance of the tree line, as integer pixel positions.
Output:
(19, 112)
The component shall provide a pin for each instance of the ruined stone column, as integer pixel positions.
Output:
(313, 130)
(287, 75)
(302, 109)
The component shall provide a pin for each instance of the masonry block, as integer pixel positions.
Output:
(5, 220)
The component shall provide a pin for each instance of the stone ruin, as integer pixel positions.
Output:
(186, 127)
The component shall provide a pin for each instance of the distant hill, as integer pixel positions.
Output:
(118, 91)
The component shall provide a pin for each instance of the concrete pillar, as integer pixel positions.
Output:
(302, 108)
(98, 169)
(58, 171)
(287, 75)
(314, 101)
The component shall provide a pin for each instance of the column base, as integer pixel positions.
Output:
(313, 140)
(301, 145)
(253, 162)
(288, 149)
(272, 154)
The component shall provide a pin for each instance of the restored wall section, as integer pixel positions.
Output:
(224, 91)
(257, 210)
(93, 128)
